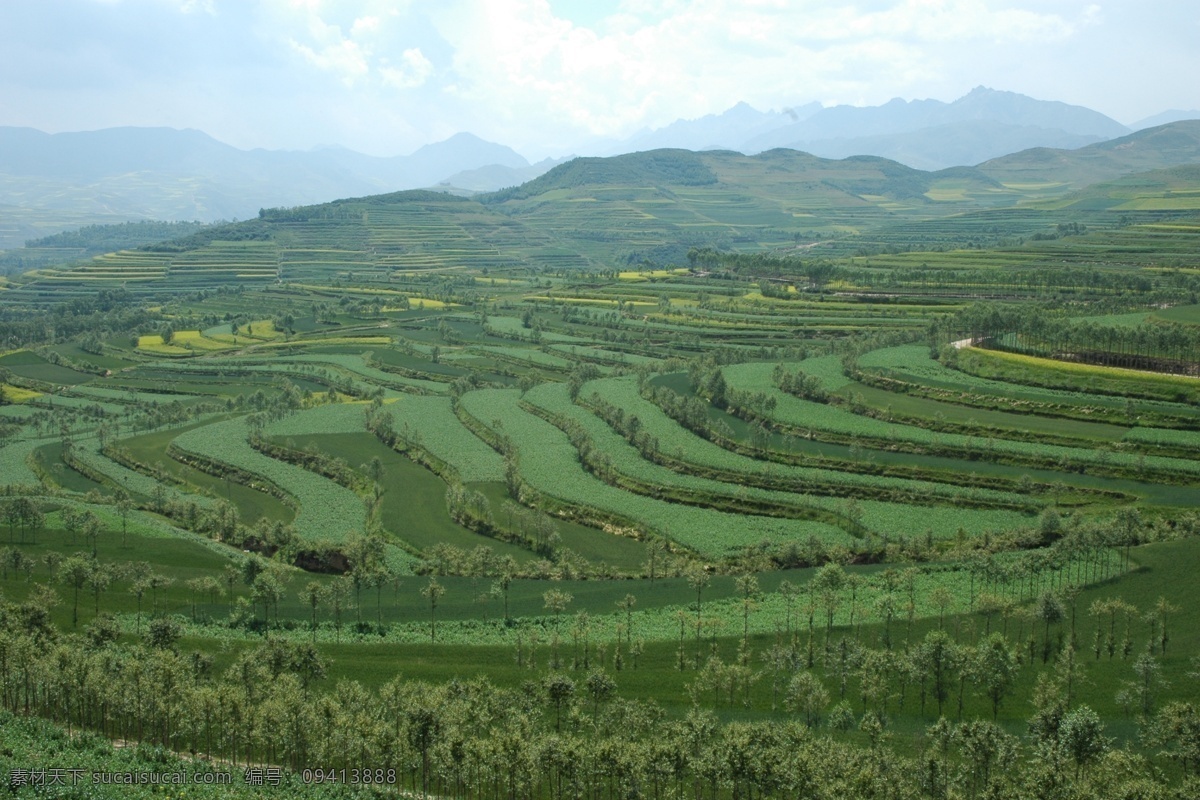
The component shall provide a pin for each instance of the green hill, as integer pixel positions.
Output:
(1171, 189)
(596, 213)
(649, 208)
(1150, 149)
(777, 199)
(655, 167)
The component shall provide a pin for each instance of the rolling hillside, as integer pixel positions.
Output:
(604, 214)
(585, 214)
(1153, 148)
(54, 182)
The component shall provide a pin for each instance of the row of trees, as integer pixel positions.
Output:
(1008, 594)
(1162, 347)
(566, 737)
(776, 274)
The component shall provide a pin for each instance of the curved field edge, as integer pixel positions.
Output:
(806, 415)
(549, 463)
(324, 509)
(885, 519)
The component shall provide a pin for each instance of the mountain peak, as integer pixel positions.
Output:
(469, 149)
(465, 136)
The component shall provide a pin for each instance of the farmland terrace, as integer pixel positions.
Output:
(682, 430)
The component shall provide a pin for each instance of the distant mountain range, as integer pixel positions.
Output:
(189, 174)
(655, 206)
(727, 131)
(497, 176)
(54, 182)
(1165, 118)
(925, 134)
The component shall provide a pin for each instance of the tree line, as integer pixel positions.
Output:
(1164, 347)
(558, 734)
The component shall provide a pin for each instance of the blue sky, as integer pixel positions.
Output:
(548, 78)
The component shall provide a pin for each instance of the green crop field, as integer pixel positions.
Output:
(675, 442)
(323, 509)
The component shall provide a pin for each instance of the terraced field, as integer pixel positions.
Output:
(817, 419)
(324, 510)
(828, 469)
(816, 491)
(678, 443)
(550, 466)
(913, 364)
(565, 421)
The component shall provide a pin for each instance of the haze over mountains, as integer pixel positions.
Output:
(54, 182)
(925, 134)
(187, 174)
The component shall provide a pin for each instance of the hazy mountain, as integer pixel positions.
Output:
(159, 173)
(1151, 149)
(726, 131)
(91, 155)
(953, 144)
(429, 165)
(931, 134)
(498, 176)
(52, 182)
(1166, 117)
(63, 180)
(901, 116)
(925, 134)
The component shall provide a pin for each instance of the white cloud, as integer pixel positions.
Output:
(415, 69)
(343, 58)
(366, 50)
(190, 6)
(933, 21)
(654, 62)
(333, 52)
(364, 26)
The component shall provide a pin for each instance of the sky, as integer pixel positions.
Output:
(555, 77)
